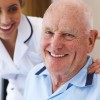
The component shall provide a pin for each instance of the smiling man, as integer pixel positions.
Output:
(67, 39)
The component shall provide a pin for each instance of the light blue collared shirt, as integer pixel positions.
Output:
(82, 86)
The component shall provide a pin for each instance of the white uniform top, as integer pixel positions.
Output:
(26, 55)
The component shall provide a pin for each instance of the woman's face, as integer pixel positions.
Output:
(10, 14)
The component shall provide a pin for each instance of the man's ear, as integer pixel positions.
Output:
(92, 38)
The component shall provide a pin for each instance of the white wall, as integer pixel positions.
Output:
(95, 8)
(96, 51)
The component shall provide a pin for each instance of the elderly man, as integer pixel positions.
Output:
(67, 39)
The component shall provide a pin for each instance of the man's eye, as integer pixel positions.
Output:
(48, 32)
(69, 36)
(12, 9)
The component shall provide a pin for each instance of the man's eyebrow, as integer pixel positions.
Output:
(47, 28)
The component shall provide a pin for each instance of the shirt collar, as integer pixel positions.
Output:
(84, 80)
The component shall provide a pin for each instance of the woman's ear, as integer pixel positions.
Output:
(92, 38)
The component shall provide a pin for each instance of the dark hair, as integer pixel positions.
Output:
(22, 2)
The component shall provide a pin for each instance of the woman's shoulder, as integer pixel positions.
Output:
(35, 20)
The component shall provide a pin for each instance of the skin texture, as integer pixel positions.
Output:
(67, 38)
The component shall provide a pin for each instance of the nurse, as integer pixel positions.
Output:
(19, 46)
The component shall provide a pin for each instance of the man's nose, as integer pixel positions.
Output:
(57, 42)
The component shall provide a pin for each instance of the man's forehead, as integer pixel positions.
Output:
(60, 28)
(67, 15)
(60, 21)
(63, 27)
(62, 14)
(65, 8)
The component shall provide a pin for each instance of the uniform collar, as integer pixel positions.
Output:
(24, 29)
(5, 61)
(24, 34)
(3, 52)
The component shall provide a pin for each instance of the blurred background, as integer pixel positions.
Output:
(38, 7)
(35, 7)
(95, 6)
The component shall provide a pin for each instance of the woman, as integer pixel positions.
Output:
(19, 46)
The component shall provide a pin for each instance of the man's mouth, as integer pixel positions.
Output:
(57, 55)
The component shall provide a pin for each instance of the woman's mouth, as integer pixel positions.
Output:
(5, 28)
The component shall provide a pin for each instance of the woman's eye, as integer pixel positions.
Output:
(12, 9)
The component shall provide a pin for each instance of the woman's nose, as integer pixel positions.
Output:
(4, 18)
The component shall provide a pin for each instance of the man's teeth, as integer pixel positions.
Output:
(57, 56)
(5, 27)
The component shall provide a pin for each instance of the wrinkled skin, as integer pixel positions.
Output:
(65, 42)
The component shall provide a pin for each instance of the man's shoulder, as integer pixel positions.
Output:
(34, 72)
(37, 68)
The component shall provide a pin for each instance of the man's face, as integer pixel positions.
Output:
(64, 46)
